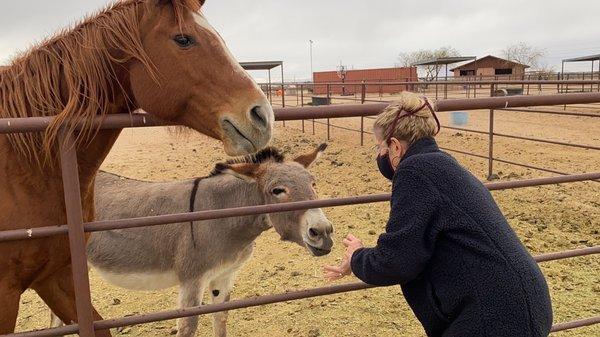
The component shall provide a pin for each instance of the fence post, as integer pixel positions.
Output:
(362, 130)
(301, 101)
(283, 95)
(363, 93)
(72, 193)
(491, 146)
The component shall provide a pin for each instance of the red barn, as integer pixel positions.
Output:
(354, 77)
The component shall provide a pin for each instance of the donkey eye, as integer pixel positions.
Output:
(278, 191)
(184, 41)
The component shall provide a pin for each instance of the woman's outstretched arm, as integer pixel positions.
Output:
(408, 243)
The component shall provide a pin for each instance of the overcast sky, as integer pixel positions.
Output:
(360, 34)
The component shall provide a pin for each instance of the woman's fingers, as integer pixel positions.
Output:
(333, 276)
(333, 273)
(333, 269)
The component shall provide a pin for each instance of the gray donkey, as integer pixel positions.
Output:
(204, 254)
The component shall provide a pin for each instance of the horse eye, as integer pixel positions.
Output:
(184, 41)
(278, 191)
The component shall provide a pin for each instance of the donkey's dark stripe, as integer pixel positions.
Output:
(192, 202)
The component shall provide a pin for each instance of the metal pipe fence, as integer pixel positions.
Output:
(491, 133)
(75, 228)
(358, 91)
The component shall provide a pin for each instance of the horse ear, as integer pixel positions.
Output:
(307, 159)
(198, 3)
(245, 171)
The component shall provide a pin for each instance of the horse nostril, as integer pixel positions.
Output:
(313, 232)
(258, 116)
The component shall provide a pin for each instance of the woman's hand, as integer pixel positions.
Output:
(333, 273)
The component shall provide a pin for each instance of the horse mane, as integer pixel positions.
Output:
(268, 154)
(72, 76)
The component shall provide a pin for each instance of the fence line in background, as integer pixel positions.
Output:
(76, 227)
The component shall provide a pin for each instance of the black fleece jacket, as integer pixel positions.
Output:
(462, 269)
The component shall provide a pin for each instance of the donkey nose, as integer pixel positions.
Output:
(315, 232)
(259, 116)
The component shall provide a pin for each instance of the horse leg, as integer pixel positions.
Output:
(9, 305)
(220, 289)
(59, 294)
(190, 295)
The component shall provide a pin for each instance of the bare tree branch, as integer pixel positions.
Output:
(431, 71)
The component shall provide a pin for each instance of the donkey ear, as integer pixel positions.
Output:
(245, 171)
(307, 159)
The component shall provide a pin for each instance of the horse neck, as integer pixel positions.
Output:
(89, 156)
(233, 192)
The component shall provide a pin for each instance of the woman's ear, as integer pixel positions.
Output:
(397, 147)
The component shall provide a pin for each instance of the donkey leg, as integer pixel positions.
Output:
(220, 289)
(9, 306)
(55, 321)
(190, 295)
(59, 294)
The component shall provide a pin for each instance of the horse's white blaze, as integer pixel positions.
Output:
(202, 22)
(141, 281)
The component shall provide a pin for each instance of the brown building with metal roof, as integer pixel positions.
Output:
(490, 66)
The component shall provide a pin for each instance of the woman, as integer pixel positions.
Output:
(461, 267)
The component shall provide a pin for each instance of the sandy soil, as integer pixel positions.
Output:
(548, 219)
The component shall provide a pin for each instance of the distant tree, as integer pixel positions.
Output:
(410, 58)
(525, 54)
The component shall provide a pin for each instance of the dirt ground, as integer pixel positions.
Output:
(547, 219)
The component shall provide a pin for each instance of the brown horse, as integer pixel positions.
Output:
(161, 56)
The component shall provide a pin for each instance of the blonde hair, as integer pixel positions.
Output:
(409, 128)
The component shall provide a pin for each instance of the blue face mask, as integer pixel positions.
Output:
(385, 167)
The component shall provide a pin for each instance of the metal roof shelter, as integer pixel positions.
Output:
(589, 58)
(267, 65)
(443, 61)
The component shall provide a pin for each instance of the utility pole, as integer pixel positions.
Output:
(311, 61)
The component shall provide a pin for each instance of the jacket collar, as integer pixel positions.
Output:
(423, 145)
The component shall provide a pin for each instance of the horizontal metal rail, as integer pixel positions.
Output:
(282, 297)
(444, 82)
(551, 112)
(32, 124)
(35, 233)
(531, 139)
(575, 324)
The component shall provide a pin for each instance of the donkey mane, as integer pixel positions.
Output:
(262, 156)
(77, 60)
